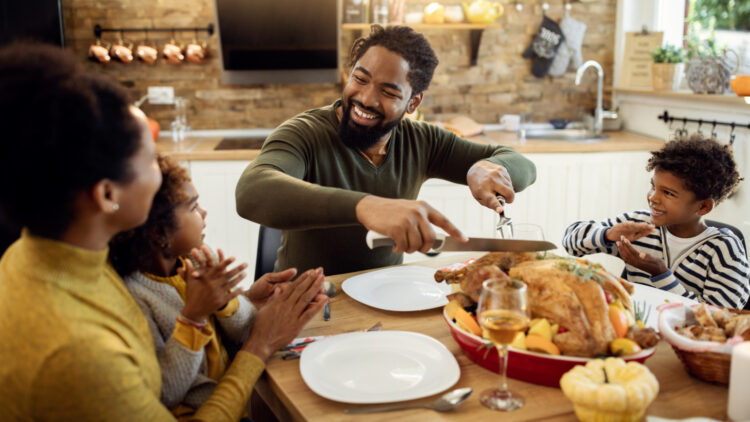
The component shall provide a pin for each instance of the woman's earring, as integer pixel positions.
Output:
(115, 207)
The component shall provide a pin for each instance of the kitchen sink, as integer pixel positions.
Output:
(570, 135)
(253, 142)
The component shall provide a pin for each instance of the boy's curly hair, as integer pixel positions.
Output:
(130, 250)
(407, 43)
(706, 166)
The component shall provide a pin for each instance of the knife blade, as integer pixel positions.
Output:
(444, 243)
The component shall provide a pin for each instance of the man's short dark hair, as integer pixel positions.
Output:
(63, 131)
(707, 167)
(407, 43)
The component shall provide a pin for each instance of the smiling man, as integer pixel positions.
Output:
(328, 175)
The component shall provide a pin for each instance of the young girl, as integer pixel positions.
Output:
(191, 310)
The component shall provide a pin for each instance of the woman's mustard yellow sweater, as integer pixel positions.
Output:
(74, 345)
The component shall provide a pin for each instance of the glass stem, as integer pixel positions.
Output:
(502, 352)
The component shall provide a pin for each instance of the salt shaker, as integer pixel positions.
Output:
(738, 407)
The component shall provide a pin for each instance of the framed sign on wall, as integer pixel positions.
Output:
(636, 63)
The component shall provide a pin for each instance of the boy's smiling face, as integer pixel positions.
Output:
(672, 204)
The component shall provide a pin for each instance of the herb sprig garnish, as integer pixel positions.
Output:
(585, 271)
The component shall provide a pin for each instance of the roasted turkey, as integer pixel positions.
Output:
(566, 291)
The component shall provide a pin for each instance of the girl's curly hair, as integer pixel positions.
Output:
(130, 250)
(706, 166)
(407, 43)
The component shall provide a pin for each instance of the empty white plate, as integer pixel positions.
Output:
(406, 288)
(378, 367)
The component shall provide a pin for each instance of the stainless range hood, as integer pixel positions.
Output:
(278, 41)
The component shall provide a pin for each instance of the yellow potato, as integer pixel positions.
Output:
(542, 329)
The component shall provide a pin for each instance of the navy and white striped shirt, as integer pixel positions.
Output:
(714, 270)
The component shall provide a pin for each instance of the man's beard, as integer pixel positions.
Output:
(360, 137)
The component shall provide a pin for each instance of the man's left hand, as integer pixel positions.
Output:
(486, 180)
(641, 260)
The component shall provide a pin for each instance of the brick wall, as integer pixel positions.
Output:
(501, 82)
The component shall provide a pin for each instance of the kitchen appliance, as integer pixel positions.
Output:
(31, 20)
(278, 41)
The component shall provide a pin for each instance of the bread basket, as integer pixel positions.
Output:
(706, 360)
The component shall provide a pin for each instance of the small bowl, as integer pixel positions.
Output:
(559, 123)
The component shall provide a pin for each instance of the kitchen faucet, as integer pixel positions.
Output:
(599, 85)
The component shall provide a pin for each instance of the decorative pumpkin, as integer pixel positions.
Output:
(610, 390)
(741, 85)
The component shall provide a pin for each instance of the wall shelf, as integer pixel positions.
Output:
(361, 26)
(475, 29)
(727, 98)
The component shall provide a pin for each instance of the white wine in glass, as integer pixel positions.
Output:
(503, 312)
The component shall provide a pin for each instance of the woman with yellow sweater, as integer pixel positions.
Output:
(78, 166)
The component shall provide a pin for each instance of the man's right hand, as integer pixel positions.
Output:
(408, 223)
(629, 230)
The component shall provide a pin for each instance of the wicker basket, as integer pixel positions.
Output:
(708, 366)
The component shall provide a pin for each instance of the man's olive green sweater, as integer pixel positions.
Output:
(307, 182)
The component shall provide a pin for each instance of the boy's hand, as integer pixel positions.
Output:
(629, 230)
(209, 287)
(286, 313)
(264, 287)
(640, 260)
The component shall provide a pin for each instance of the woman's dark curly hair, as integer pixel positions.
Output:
(130, 250)
(706, 166)
(407, 43)
(64, 130)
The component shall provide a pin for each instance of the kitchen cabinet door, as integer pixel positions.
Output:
(215, 182)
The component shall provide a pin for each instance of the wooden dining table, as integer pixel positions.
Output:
(283, 390)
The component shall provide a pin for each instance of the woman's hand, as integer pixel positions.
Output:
(208, 287)
(264, 287)
(286, 313)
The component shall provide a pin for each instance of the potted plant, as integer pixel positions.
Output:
(709, 69)
(667, 67)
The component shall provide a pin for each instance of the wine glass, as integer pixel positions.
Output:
(503, 312)
(527, 231)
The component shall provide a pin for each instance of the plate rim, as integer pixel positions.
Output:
(451, 379)
(345, 283)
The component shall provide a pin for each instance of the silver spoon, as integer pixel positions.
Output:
(444, 403)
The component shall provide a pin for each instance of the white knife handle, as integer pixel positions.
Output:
(377, 240)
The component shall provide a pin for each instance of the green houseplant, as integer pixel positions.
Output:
(667, 67)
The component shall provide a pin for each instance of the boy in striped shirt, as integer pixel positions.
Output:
(669, 246)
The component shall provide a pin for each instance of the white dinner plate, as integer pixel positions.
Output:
(655, 297)
(405, 288)
(378, 367)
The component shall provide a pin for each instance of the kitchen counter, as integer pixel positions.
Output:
(202, 148)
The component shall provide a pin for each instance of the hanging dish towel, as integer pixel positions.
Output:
(543, 48)
(569, 54)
